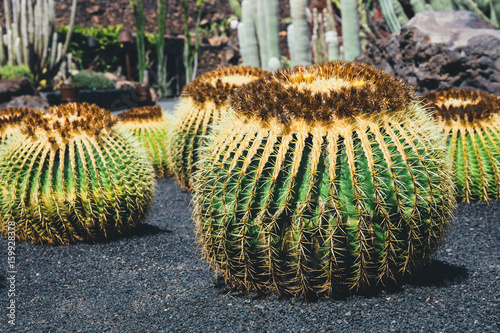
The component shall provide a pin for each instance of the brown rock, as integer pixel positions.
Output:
(15, 87)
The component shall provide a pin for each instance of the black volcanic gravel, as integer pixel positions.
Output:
(156, 282)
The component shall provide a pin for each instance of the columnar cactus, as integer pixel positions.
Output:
(10, 121)
(72, 176)
(204, 102)
(325, 180)
(150, 126)
(470, 119)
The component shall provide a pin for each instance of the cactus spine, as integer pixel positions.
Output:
(203, 104)
(72, 176)
(324, 180)
(150, 126)
(470, 119)
(10, 121)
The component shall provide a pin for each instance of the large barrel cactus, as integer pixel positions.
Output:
(10, 121)
(324, 180)
(150, 126)
(470, 119)
(203, 103)
(72, 176)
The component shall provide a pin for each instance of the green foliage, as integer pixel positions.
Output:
(105, 56)
(11, 72)
(191, 51)
(72, 176)
(91, 80)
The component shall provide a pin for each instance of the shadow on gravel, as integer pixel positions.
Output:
(440, 274)
(147, 230)
(3, 282)
(436, 273)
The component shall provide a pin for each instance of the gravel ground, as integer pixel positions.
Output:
(156, 282)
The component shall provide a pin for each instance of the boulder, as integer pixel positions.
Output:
(15, 87)
(438, 50)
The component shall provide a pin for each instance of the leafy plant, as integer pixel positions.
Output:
(324, 180)
(72, 176)
(11, 72)
(91, 80)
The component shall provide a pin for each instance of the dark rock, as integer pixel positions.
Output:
(441, 50)
(15, 87)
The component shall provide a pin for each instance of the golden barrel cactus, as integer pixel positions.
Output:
(204, 102)
(72, 176)
(149, 125)
(324, 180)
(10, 121)
(470, 120)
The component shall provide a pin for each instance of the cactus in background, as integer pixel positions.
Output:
(272, 33)
(320, 50)
(203, 104)
(161, 69)
(71, 176)
(301, 54)
(235, 5)
(247, 35)
(325, 180)
(10, 121)
(138, 8)
(350, 29)
(258, 34)
(471, 121)
(389, 11)
(150, 126)
(30, 37)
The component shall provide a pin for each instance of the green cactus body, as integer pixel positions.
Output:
(470, 119)
(323, 180)
(10, 121)
(203, 104)
(150, 125)
(72, 176)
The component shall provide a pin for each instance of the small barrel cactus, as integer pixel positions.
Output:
(70, 175)
(471, 122)
(10, 121)
(150, 126)
(324, 180)
(203, 104)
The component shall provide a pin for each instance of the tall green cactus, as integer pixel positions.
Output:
(350, 29)
(11, 120)
(203, 104)
(161, 72)
(247, 34)
(150, 126)
(138, 8)
(471, 121)
(31, 39)
(72, 176)
(325, 180)
(301, 34)
(258, 33)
